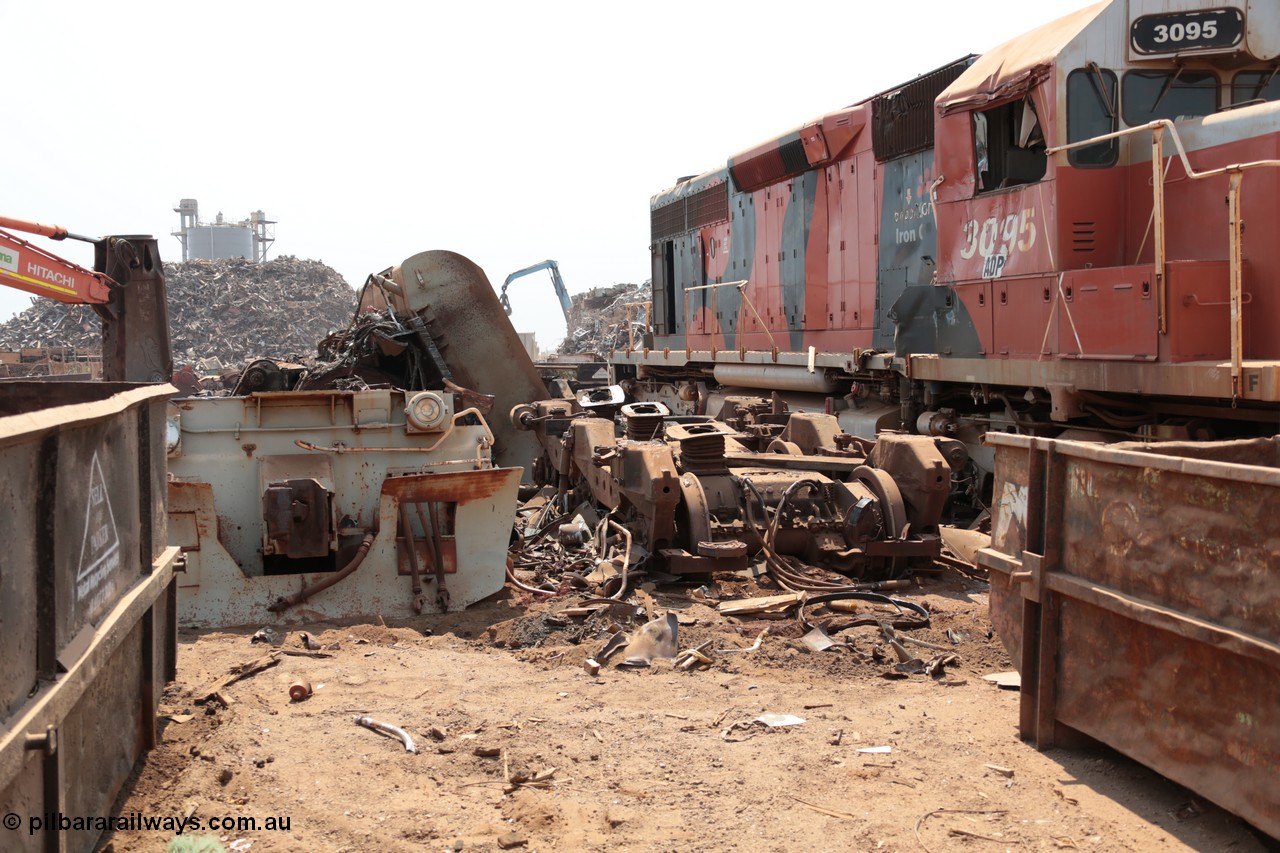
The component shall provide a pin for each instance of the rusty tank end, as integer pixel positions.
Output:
(450, 303)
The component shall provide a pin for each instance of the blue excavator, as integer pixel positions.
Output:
(556, 281)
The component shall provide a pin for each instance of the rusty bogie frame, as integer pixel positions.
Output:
(704, 494)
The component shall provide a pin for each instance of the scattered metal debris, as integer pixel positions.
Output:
(690, 658)
(823, 810)
(1010, 680)
(657, 639)
(236, 673)
(509, 840)
(387, 729)
(762, 723)
(754, 647)
(818, 640)
(927, 815)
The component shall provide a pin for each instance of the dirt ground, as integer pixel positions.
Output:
(531, 752)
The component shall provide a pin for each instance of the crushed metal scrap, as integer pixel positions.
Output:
(223, 311)
(376, 349)
(599, 319)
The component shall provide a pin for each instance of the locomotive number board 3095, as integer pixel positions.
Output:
(1175, 32)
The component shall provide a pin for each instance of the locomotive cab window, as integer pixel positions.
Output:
(1092, 111)
(1008, 145)
(1152, 95)
(1250, 86)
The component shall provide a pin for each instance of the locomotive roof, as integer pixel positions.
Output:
(1016, 66)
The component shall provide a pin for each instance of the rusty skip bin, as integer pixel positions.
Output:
(334, 504)
(1137, 587)
(87, 596)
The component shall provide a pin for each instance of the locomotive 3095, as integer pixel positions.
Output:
(1048, 238)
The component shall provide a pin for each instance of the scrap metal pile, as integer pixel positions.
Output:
(376, 349)
(50, 361)
(226, 310)
(599, 319)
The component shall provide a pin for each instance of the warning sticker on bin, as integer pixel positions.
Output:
(100, 552)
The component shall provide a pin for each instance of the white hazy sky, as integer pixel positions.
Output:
(509, 132)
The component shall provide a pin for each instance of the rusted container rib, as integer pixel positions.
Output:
(1137, 587)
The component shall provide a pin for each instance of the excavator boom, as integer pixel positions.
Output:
(126, 291)
(30, 268)
(562, 292)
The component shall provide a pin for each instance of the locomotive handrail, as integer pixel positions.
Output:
(648, 329)
(1166, 124)
(1235, 173)
(1194, 299)
(742, 289)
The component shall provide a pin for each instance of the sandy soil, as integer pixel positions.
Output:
(643, 759)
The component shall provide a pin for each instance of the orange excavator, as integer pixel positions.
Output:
(126, 289)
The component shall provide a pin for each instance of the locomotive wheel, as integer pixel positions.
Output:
(893, 510)
(785, 448)
(693, 517)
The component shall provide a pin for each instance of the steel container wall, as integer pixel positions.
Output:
(1137, 587)
(87, 599)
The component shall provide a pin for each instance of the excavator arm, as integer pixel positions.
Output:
(30, 268)
(126, 291)
(562, 292)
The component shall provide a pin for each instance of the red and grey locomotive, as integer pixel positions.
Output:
(1048, 238)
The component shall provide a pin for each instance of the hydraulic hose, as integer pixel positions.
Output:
(780, 567)
(328, 581)
(921, 613)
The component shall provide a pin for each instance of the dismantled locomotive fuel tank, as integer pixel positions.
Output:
(342, 495)
(88, 597)
(703, 494)
(1030, 241)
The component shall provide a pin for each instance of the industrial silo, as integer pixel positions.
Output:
(220, 239)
